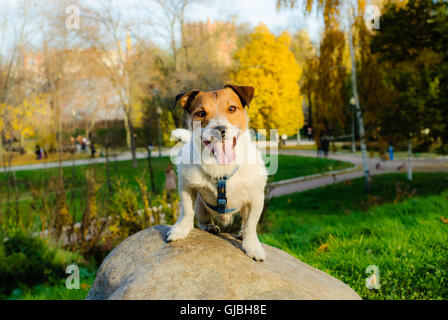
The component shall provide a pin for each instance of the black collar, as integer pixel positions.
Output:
(221, 200)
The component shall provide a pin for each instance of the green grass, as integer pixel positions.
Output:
(74, 177)
(75, 184)
(58, 291)
(119, 170)
(295, 166)
(124, 173)
(75, 181)
(288, 167)
(31, 267)
(399, 229)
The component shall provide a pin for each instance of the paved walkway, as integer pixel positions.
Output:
(80, 162)
(288, 187)
(376, 166)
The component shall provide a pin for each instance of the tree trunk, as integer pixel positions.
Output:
(151, 173)
(358, 107)
(126, 127)
(353, 132)
(409, 160)
(310, 110)
(133, 144)
(106, 142)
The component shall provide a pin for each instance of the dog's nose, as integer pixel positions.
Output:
(221, 130)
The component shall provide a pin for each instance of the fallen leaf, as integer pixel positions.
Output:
(323, 247)
(444, 220)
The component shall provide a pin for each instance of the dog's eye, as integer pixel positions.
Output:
(200, 114)
(232, 108)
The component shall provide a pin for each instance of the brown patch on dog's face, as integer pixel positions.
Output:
(223, 103)
(222, 117)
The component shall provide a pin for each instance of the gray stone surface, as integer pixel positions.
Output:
(206, 266)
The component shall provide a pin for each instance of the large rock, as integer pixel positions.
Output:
(206, 266)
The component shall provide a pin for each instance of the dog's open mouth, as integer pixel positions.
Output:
(222, 150)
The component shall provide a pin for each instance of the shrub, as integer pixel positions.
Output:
(28, 261)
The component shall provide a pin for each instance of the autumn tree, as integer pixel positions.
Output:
(330, 107)
(16, 85)
(267, 63)
(339, 12)
(306, 55)
(106, 30)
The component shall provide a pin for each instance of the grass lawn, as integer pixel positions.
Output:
(401, 229)
(59, 291)
(294, 166)
(289, 167)
(122, 171)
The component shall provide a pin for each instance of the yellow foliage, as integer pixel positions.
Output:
(267, 64)
(128, 43)
(21, 118)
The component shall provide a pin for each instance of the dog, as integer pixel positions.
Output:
(230, 176)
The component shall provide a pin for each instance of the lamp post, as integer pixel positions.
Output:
(159, 112)
(353, 102)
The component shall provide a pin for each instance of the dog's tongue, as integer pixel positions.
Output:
(223, 151)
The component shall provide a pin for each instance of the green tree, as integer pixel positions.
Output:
(412, 49)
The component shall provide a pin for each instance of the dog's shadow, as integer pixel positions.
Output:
(232, 238)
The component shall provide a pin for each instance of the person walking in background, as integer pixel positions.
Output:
(170, 181)
(283, 139)
(309, 132)
(92, 145)
(325, 146)
(83, 145)
(92, 150)
(391, 152)
(320, 151)
(38, 152)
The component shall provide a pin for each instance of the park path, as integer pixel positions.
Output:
(80, 162)
(292, 185)
(376, 166)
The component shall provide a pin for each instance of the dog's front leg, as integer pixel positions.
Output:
(251, 244)
(185, 223)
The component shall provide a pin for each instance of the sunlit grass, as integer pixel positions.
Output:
(402, 232)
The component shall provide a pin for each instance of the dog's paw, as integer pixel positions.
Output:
(178, 232)
(254, 250)
(212, 228)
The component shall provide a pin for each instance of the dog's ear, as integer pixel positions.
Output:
(185, 98)
(245, 93)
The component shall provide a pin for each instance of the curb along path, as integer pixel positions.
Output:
(376, 166)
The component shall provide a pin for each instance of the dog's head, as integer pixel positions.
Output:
(222, 116)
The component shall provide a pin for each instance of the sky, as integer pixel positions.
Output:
(251, 11)
(256, 11)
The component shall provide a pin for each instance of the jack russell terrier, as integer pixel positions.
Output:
(227, 174)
